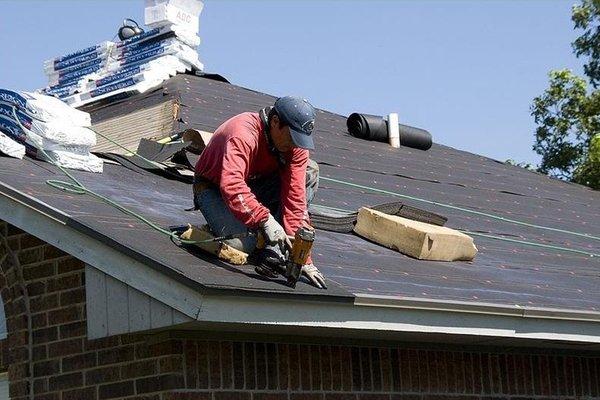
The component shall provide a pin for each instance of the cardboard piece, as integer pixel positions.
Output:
(199, 139)
(413, 238)
(221, 250)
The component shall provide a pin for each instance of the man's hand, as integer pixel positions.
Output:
(275, 234)
(314, 276)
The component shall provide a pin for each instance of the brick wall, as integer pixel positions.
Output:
(291, 371)
(48, 356)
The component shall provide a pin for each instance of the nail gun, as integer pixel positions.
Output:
(292, 267)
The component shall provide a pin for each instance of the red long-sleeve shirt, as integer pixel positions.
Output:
(237, 152)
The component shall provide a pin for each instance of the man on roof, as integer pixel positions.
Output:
(255, 174)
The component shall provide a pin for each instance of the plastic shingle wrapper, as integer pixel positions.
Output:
(46, 128)
(131, 66)
(10, 147)
(83, 162)
(56, 130)
(132, 81)
(44, 108)
(184, 13)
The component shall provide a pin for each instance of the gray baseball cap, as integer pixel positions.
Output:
(299, 115)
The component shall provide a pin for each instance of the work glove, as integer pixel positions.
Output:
(314, 275)
(275, 234)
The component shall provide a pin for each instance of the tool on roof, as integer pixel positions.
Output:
(129, 29)
(267, 263)
(270, 264)
(171, 138)
(303, 242)
(374, 127)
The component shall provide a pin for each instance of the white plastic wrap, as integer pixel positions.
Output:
(51, 130)
(56, 130)
(185, 35)
(44, 108)
(154, 73)
(77, 100)
(184, 13)
(77, 57)
(10, 147)
(66, 159)
(33, 139)
(124, 55)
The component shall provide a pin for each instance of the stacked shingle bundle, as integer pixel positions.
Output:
(133, 65)
(31, 122)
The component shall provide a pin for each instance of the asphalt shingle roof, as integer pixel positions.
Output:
(503, 273)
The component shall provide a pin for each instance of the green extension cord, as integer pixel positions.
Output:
(546, 246)
(77, 187)
(586, 235)
(483, 214)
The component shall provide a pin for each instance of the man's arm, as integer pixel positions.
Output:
(293, 192)
(236, 193)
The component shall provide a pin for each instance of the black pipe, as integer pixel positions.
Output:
(416, 138)
(373, 127)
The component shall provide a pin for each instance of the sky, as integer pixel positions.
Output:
(466, 71)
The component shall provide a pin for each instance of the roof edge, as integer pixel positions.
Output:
(367, 316)
(476, 308)
(394, 323)
(55, 230)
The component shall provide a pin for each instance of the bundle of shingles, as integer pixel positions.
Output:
(48, 129)
(134, 65)
(343, 221)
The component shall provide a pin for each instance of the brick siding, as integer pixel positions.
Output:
(297, 371)
(44, 288)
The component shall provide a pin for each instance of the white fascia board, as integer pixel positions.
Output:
(362, 320)
(99, 255)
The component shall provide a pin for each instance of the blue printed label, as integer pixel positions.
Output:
(78, 60)
(76, 54)
(141, 49)
(92, 63)
(78, 74)
(61, 89)
(144, 56)
(7, 111)
(126, 73)
(12, 130)
(11, 97)
(135, 46)
(113, 87)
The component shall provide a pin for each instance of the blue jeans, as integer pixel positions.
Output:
(267, 190)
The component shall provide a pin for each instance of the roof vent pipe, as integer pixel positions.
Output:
(393, 130)
(374, 127)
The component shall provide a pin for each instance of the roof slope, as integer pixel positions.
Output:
(503, 273)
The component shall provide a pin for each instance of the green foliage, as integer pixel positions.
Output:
(588, 173)
(594, 154)
(564, 122)
(586, 16)
(567, 115)
(520, 164)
